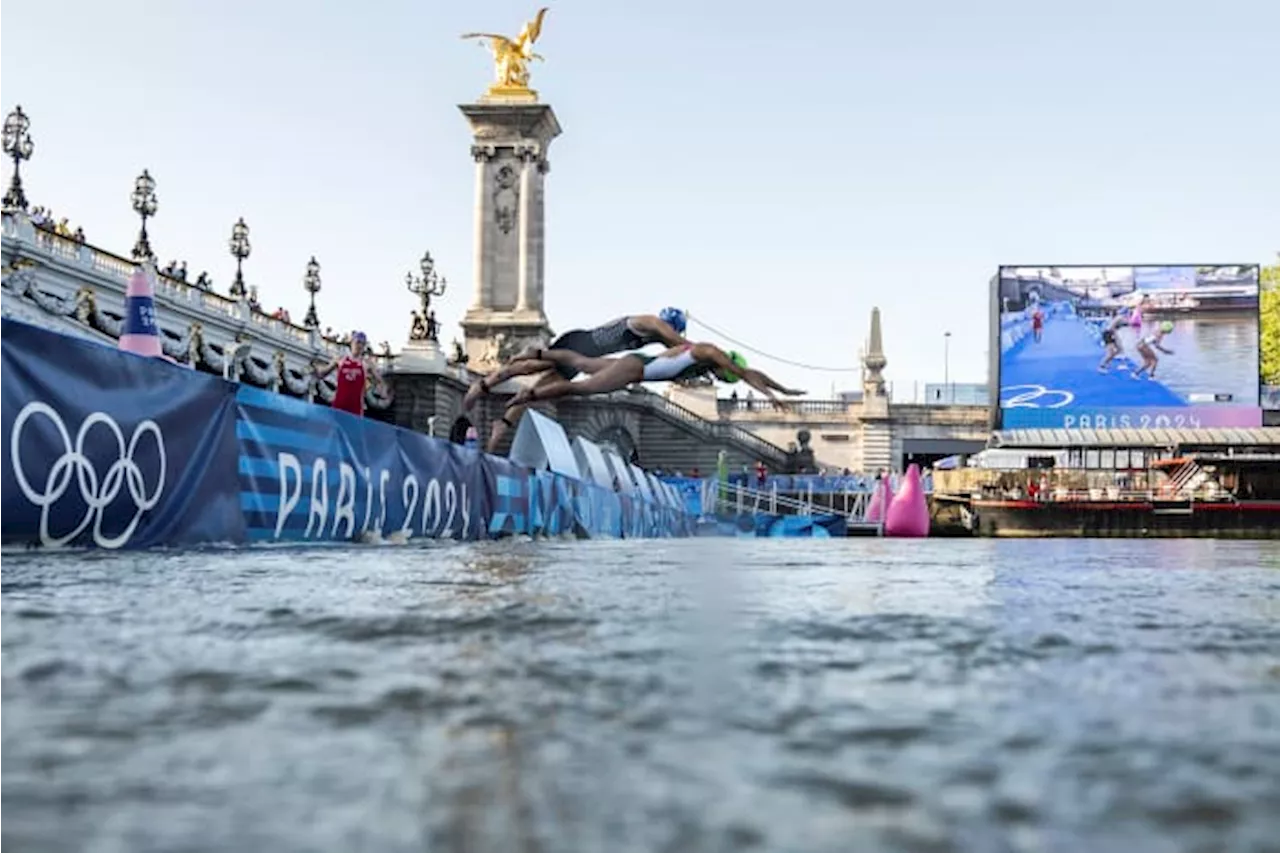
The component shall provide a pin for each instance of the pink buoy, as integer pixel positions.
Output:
(908, 513)
(140, 334)
(879, 502)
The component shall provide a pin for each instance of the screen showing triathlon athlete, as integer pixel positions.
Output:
(1129, 347)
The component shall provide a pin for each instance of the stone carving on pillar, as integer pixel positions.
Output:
(510, 151)
(505, 198)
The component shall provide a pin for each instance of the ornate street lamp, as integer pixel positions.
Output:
(428, 285)
(144, 204)
(239, 250)
(311, 282)
(18, 145)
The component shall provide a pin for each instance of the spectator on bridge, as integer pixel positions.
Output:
(355, 371)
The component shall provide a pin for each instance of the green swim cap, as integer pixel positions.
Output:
(737, 359)
(1166, 326)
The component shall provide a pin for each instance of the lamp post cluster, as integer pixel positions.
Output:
(145, 204)
(240, 248)
(429, 284)
(311, 283)
(19, 147)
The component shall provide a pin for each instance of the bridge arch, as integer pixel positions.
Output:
(619, 439)
(458, 432)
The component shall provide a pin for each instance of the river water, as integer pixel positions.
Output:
(1213, 354)
(702, 695)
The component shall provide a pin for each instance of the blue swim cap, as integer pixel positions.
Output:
(359, 336)
(674, 318)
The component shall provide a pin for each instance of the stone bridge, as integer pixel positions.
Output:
(852, 435)
(659, 432)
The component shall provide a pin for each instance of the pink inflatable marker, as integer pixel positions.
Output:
(140, 334)
(908, 514)
(879, 502)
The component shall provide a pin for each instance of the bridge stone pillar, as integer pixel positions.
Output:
(510, 152)
(877, 428)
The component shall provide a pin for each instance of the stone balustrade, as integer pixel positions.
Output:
(79, 289)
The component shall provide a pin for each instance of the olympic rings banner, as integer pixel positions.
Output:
(109, 449)
(114, 450)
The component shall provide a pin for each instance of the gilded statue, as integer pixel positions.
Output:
(511, 57)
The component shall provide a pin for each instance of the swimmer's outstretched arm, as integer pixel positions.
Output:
(769, 381)
(754, 378)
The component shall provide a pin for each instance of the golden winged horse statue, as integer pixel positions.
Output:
(511, 56)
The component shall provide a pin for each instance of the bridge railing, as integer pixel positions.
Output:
(763, 449)
(737, 498)
(765, 406)
(100, 262)
(705, 496)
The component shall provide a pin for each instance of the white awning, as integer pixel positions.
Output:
(1218, 437)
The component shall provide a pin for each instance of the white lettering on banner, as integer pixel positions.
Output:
(368, 499)
(466, 511)
(441, 503)
(319, 498)
(451, 504)
(383, 479)
(432, 500)
(287, 462)
(1104, 421)
(345, 509)
(410, 504)
(96, 494)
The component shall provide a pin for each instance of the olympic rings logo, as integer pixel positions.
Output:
(1032, 395)
(97, 494)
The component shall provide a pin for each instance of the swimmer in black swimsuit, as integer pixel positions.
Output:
(625, 333)
(1111, 340)
(686, 361)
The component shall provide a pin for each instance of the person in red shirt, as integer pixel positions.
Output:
(355, 371)
(1037, 324)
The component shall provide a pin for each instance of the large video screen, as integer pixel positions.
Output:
(1138, 347)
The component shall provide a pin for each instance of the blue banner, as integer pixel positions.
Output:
(110, 449)
(313, 473)
(114, 450)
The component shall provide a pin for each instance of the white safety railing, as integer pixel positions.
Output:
(741, 499)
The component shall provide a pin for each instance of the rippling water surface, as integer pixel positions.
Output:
(700, 695)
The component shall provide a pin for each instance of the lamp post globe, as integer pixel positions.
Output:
(18, 147)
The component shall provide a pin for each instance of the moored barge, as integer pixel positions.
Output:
(1206, 483)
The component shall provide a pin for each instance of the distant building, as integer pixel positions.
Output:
(957, 394)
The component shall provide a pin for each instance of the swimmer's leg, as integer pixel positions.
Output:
(511, 417)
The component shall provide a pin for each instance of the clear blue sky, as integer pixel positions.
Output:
(776, 168)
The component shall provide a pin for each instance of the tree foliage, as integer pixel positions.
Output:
(1270, 319)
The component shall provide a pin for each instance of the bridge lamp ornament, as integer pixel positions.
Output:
(240, 248)
(429, 284)
(145, 204)
(311, 283)
(17, 146)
